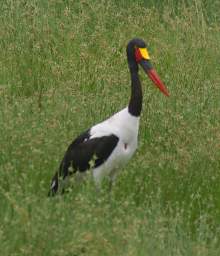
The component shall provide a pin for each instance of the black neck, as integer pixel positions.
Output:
(135, 103)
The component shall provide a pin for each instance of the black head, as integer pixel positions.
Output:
(137, 54)
(136, 50)
(134, 44)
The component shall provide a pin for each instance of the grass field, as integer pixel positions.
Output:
(62, 69)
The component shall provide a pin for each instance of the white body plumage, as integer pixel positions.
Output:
(125, 127)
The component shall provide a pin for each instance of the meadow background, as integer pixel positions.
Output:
(63, 68)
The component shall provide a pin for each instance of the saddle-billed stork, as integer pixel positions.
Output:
(107, 146)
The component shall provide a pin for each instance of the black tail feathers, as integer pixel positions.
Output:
(54, 185)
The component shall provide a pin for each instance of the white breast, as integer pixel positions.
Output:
(125, 127)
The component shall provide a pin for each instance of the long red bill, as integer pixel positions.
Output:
(156, 79)
(148, 68)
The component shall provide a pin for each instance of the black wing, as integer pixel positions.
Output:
(83, 154)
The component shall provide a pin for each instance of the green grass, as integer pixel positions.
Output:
(62, 69)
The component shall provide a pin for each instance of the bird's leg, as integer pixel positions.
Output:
(111, 182)
(110, 185)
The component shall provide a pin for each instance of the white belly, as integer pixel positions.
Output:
(119, 157)
(125, 127)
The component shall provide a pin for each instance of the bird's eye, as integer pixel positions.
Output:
(138, 55)
(141, 53)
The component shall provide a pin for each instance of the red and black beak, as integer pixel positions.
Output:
(152, 74)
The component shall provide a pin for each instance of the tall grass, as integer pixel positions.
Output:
(63, 68)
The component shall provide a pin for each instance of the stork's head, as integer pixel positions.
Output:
(137, 53)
